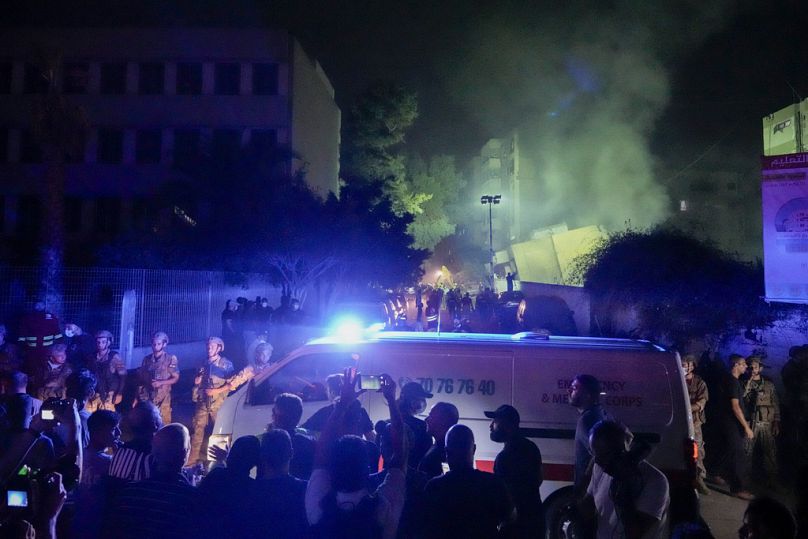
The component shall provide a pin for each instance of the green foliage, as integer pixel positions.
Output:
(377, 123)
(680, 287)
(441, 184)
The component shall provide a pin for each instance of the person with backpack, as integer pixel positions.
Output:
(339, 503)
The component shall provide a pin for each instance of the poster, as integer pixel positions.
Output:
(784, 187)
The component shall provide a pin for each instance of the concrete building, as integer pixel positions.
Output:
(496, 172)
(153, 96)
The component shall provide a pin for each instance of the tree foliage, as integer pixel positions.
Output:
(376, 125)
(249, 215)
(680, 288)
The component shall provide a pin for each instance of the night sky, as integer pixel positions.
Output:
(481, 68)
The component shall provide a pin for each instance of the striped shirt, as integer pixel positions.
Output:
(161, 507)
(132, 462)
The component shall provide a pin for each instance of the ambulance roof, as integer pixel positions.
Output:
(526, 338)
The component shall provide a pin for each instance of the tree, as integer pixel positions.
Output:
(60, 129)
(679, 287)
(375, 126)
(439, 180)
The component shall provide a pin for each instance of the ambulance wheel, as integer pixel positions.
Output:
(559, 513)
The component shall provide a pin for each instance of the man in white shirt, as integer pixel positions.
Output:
(629, 496)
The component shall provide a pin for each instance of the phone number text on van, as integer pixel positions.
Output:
(458, 386)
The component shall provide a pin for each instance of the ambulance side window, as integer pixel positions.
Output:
(304, 376)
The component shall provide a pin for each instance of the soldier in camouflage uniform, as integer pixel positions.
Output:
(157, 374)
(110, 373)
(697, 390)
(763, 408)
(49, 381)
(211, 387)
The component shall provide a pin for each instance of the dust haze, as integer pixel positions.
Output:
(584, 85)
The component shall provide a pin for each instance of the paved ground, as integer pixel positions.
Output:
(724, 514)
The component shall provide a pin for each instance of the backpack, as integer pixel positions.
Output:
(338, 523)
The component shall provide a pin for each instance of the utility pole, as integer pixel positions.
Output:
(491, 200)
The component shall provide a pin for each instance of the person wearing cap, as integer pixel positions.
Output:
(763, 409)
(158, 373)
(110, 373)
(411, 402)
(519, 466)
(211, 387)
(733, 429)
(697, 390)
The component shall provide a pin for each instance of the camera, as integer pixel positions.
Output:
(370, 382)
(53, 408)
(21, 493)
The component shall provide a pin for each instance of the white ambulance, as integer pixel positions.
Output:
(642, 385)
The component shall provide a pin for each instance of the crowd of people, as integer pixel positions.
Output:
(87, 459)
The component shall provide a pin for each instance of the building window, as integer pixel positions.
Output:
(263, 141)
(152, 78)
(225, 144)
(107, 216)
(5, 77)
(186, 146)
(30, 150)
(35, 80)
(29, 215)
(189, 79)
(265, 79)
(228, 78)
(75, 77)
(3, 146)
(148, 146)
(110, 146)
(113, 78)
(73, 214)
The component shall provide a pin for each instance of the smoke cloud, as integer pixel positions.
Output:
(584, 86)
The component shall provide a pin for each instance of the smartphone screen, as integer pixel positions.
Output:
(370, 382)
(48, 415)
(17, 498)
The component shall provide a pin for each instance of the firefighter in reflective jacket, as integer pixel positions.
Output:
(39, 330)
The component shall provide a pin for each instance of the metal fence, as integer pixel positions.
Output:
(185, 304)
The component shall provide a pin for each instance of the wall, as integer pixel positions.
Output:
(316, 121)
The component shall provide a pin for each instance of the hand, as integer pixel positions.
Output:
(219, 454)
(347, 393)
(53, 496)
(211, 392)
(775, 428)
(156, 383)
(750, 434)
(388, 388)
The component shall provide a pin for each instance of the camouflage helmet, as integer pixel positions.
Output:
(754, 358)
(689, 358)
(104, 334)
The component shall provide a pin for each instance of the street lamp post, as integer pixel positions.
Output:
(491, 200)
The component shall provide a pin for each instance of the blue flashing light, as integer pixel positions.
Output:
(349, 329)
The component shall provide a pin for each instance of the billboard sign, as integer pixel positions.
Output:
(784, 187)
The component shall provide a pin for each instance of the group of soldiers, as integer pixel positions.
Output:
(760, 408)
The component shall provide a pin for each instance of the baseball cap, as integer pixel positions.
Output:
(506, 412)
(414, 390)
